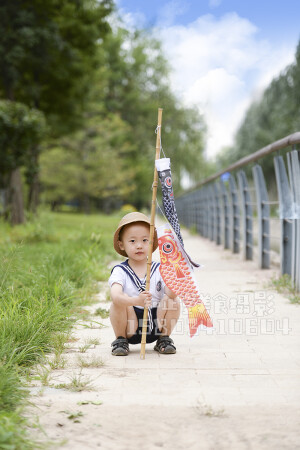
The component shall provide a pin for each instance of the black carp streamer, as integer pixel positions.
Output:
(164, 173)
(165, 176)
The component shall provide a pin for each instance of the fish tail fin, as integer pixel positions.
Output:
(198, 315)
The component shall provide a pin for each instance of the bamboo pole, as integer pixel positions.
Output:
(152, 228)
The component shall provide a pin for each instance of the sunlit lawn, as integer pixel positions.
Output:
(49, 267)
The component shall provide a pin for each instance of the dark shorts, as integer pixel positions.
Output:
(152, 335)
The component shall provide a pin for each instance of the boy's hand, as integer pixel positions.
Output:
(144, 299)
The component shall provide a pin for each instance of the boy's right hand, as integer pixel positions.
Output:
(144, 299)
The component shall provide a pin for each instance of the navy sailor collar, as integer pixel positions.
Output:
(137, 281)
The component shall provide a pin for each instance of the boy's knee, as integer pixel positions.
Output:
(117, 308)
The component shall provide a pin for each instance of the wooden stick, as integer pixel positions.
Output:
(152, 228)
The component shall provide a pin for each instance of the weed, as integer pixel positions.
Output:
(103, 313)
(94, 362)
(285, 286)
(74, 416)
(58, 362)
(77, 384)
(83, 314)
(203, 409)
(88, 344)
(43, 374)
(84, 348)
(58, 342)
(93, 341)
(193, 230)
(93, 325)
(89, 402)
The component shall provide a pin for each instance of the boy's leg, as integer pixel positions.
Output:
(168, 312)
(123, 320)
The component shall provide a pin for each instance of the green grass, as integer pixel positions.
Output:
(284, 285)
(103, 313)
(49, 268)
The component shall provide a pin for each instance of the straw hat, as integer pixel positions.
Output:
(126, 220)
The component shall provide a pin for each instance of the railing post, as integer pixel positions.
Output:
(192, 209)
(197, 210)
(210, 212)
(217, 214)
(294, 172)
(202, 211)
(263, 212)
(247, 215)
(285, 213)
(225, 208)
(188, 200)
(235, 216)
(205, 209)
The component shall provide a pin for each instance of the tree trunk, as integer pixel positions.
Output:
(32, 178)
(16, 202)
(33, 193)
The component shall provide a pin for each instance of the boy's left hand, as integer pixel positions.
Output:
(145, 298)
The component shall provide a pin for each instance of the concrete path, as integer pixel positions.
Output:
(235, 387)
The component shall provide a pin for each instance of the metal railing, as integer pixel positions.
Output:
(223, 211)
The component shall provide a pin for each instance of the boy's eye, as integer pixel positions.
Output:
(131, 240)
(145, 240)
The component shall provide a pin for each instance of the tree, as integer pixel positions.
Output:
(275, 115)
(89, 165)
(136, 84)
(47, 52)
(21, 128)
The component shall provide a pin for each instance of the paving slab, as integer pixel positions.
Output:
(234, 387)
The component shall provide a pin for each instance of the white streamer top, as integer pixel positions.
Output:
(162, 164)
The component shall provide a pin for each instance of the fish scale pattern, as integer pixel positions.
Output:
(178, 276)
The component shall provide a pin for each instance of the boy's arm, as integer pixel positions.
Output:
(170, 293)
(121, 299)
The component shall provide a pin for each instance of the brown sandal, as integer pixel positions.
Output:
(120, 346)
(165, 345)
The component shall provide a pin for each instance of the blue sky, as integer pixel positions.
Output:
(223, 53)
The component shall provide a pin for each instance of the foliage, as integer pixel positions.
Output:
(111, 158)
(138, 87)
(89, 165)
(47, 50)
(275, 115)
(20, 129)
(99, 90)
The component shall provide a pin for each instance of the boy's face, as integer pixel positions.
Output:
(135, 241)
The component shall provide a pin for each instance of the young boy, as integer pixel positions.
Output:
(128, 294)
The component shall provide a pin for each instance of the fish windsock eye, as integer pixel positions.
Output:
(168, 182)
(167, 248)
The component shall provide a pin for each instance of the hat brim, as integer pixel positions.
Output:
(130, 219)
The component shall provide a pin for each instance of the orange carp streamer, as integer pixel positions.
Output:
(178, 275)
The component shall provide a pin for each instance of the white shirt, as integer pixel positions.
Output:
(157, 285)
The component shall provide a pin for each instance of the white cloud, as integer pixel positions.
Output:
(218, 65)
(170, 11)
(214, 3)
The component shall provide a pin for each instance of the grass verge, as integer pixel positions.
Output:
(49, 268)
